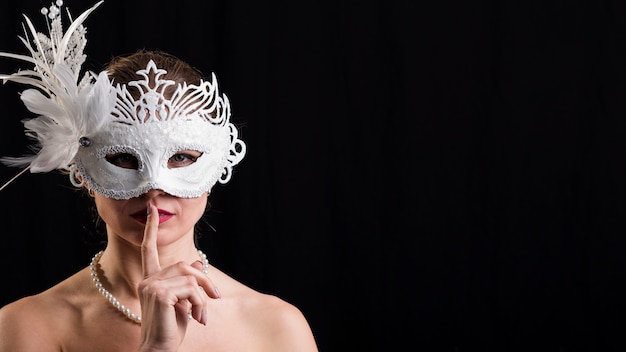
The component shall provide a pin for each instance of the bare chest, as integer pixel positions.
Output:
(102, 335)
(111, 336)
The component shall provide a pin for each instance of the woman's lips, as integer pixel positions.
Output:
(142, 217)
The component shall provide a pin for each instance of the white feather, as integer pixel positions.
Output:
(61, 101)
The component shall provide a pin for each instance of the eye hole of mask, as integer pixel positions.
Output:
(183, 158)
(123, 160)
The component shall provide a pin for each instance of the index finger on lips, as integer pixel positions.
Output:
(149, 252)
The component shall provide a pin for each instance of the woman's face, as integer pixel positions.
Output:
(127, 218)
(177, 216)
(159, 119)
(123, 161)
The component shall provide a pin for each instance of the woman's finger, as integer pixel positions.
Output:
(149, 252)
(205, 282)
(182, 292)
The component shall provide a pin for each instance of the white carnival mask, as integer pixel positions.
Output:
(83, 123)
(152, 129)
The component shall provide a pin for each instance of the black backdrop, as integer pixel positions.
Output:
(445, 175)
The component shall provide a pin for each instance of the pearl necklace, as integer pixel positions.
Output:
(119, 306)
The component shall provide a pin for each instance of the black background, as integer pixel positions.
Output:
(444, 175)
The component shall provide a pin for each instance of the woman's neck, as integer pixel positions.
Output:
(121, 262)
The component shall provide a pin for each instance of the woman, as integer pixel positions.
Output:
(148, 139)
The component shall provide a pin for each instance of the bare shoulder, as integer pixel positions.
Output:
(27, 325)
(37, 323)
(285, 322)
(276, 324)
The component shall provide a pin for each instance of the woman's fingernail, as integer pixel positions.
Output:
(217, 291)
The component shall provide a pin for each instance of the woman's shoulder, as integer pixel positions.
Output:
(33, 322)
(270, 307)
(284, 325)
(270, 316)
(27, 324)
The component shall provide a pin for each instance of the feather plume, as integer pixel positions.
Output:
(61, 101)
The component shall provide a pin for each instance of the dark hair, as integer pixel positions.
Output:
(123, 69)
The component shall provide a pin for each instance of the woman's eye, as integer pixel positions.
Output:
(183, 159)
(123, 160)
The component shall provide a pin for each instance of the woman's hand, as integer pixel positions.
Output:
(169, 296)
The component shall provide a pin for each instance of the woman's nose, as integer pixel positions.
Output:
(155, 192)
